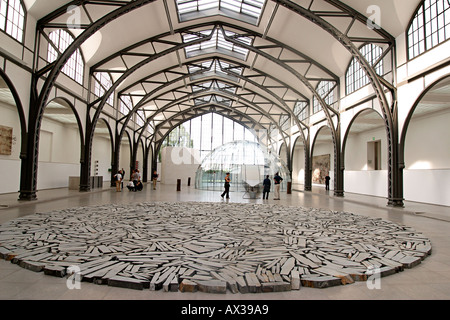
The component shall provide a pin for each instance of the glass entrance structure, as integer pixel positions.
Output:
(247, 162)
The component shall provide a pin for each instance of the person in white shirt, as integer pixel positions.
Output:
(118, 177)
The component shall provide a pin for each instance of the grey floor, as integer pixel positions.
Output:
(428, 281)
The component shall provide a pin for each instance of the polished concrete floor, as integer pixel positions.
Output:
(428, 281)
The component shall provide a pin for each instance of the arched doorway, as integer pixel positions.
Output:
(365, 150)
(59, 146)
(125, 155)
(322, 157)
(12, 124)
(298, 163)
(426, 146)
(102, 146)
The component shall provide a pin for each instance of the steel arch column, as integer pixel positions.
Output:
(38, 99)
(390, 114)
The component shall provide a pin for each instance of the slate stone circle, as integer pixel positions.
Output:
(211, 247)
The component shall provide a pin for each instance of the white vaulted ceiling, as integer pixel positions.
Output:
(286, 57)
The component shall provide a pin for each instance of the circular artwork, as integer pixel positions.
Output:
(211, 247)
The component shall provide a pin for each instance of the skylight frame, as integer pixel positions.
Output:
(217, 44)
(216, 67)
(248, 11)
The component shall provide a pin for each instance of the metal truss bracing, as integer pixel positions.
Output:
(39, 97)
(215, 66)
(379, 84)
(260, 51)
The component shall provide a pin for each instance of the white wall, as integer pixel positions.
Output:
(427, 159)
(10, 164)
(298, 165)
(125, 157)
(178, 163)
(59, 154)
(101, 152)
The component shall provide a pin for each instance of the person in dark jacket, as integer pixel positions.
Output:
(227, 186)
(266, 190)
(277, 180)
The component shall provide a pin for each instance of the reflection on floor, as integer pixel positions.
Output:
(429, 280)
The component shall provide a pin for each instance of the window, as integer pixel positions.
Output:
(208, 132)
(60, 41)
(103, 82)
(12, 18)
(125, 105)
(216, 44)
(356, 77)
(140, 118)
(429, 27)
(325, 89)
(284, 122)
(215, 67)
(214, 85)
(301, 110)
(245, 10)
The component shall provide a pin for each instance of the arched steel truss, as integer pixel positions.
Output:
(40, 96)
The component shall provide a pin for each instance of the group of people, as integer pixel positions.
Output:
(266, 185)
(135, 183)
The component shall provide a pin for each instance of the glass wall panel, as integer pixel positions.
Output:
(248, 164)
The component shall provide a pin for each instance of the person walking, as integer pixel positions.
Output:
(266, 190)
(277, 181)
(227, 186)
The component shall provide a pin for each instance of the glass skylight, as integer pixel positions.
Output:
(214, 85)
(217, 44)
(216, 67)
(245, 10)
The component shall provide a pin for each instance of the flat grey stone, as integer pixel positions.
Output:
(276, 286)
(212, 286)
(123, 282)
(320, 281)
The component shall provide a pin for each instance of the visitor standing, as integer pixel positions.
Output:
(118, 177)
(155, 179)
(277, 181)
(227, 186)
(266, 190)
(327, 182)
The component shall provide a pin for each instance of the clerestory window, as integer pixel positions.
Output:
(60, 40)
(103, 82)
(356, 77)
(429, 27)
(326, 90)
(12, 18)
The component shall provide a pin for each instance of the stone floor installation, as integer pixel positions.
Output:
(211, 247)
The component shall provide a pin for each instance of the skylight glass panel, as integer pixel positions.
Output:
(217, 43)
(216, 66)
(248, 11)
